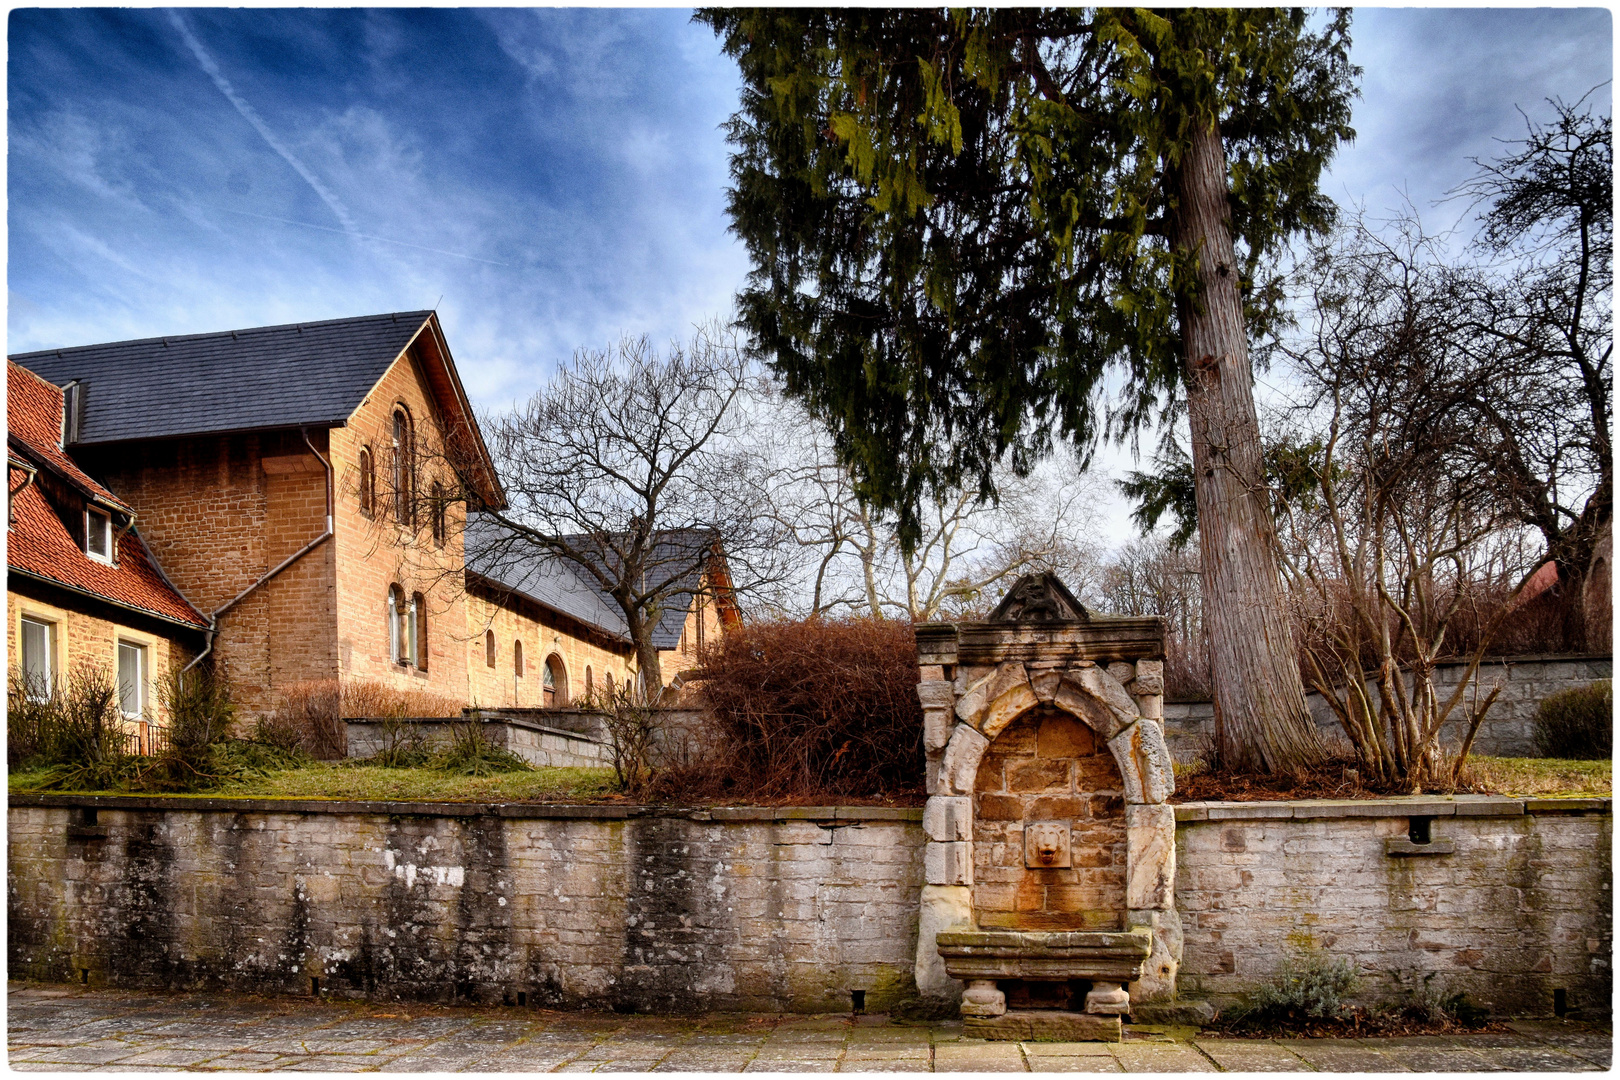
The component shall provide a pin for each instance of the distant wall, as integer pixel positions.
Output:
(1509, 730)
(538, 744)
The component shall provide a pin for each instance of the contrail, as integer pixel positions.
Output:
(332, 202)
(362, 236)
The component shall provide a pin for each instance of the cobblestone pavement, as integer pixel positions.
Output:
(54, 1028)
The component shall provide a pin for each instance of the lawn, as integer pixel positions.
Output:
(1542, 777)
(1539, 777)
(338, 780)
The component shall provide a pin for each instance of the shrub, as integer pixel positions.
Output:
(1577, 724)
(632, 724)
(816, 708)
(309, 715)
(470, 753)
(1314, 987)
(201, 711)
(77, 732)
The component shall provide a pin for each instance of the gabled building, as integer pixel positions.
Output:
(81, 585)
(285, 478)
(302, 486)
(522, 606)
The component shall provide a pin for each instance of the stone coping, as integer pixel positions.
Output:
(514, 721)
(1297, 809)
(1402, 806)
(581, 811)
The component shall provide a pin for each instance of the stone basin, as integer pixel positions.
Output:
(1046, 955)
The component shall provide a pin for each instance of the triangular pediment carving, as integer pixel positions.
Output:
(1039, 598)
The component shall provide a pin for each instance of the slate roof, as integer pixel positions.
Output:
(267, 377)
(561, 586)
(38, 542)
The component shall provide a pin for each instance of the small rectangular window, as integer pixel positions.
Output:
(98, 535)
(36, 658)
(131, 678)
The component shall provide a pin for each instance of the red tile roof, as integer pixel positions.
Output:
(39, 544)
(34, 418)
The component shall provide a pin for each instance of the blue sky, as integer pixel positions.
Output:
(556, 177)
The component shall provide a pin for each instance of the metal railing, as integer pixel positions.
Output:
(146, 740)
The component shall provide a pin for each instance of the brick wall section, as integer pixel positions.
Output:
(1523, 907)
(659, 913)
(375, 552)
(87, 631)
(217, 521)
(1048, 766)
(543, 634)
(1509, 730)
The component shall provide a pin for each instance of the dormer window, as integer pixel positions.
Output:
(98, 541)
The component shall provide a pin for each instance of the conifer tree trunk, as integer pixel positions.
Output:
(1259, 698)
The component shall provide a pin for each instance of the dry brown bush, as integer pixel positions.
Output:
(809, 710)
(309, 715)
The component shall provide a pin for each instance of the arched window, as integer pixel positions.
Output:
(556, 678)
(404, 468)
(368, 482)
(589, 689)
(517, 672)
(438, 514)
(419, 644)
(399, 646)
(489, 648)
(609, 677)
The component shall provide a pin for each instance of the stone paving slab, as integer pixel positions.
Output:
(53, 1029)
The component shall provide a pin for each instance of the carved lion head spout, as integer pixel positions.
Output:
(1046, 844)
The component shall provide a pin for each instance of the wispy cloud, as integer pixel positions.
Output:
(558, 175)
(209, 65)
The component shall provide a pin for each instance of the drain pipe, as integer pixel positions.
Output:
(326, 534)
(13, 496)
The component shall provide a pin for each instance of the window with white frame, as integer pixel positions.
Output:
(38, 663)
(131, 678)
(98, 534)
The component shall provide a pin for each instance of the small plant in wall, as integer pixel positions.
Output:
(1312, 987)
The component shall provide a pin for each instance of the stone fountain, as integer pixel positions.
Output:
(1051, 859)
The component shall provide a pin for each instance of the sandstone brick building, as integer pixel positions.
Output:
(82, 587)
(304, 488)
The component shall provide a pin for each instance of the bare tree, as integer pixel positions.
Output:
(1153, 575)
(631, 468)
(849, 557)
(1397, 530)
(1543, 320)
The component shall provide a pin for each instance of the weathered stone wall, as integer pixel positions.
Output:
(1509, 730)
(1523, 905)
(598, 907)
(765, 909)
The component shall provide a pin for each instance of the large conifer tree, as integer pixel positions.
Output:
(961, 220)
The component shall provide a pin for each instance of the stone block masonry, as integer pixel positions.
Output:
(594, 906)
(1506, 901)
(769, 909)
